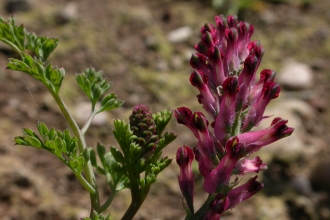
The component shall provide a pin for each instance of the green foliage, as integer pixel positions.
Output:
(42, 46)
(50, 76)
(12, 34)
(110, 168)
(133, 166)
(94, 86)
(130, 156)
(20, 40)
(61, 144)
(162, 119)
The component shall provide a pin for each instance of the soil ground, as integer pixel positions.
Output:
(127, 40)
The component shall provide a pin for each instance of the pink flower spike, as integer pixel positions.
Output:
(254, 140)
(221, 174)
(247, 166)
(243, 192)
(184, 158)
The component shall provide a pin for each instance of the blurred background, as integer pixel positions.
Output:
(144, 47)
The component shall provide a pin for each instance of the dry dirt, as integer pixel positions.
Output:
(127, 40)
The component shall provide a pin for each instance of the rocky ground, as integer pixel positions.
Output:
(144, 49)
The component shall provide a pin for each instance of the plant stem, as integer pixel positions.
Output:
(81, 179)
(202, 210)
(13, 46)
(137, 201)
(138, 194)
(88, 123)
(108, 202)
(88, 170)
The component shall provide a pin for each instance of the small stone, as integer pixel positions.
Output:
(302, 184)
(13, 6)
(68, 13)
(296, 76)
(179, 35)
(151, 42)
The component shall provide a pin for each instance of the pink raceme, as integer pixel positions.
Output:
(225, 73)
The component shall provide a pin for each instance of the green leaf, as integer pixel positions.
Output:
(123, 135)
(92, 157)
(73, 163)
(93, 85)
(19, 140)
(12, 34)
(34, 141)
(161, 119)
(59, 143)
(117, 155)
(110, 102)
(28, 132)
(52, 134)
(165, 140)
(43, 129)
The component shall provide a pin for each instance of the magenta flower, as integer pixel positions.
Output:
(184, 158)
(225, 74)
(236, 195)
(220, 175)
(254, 140)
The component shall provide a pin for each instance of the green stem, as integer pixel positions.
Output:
(138, 194)
(137, 201)
(80, 177)
(237, 124)
(88, 170)
(88, 123)
(108, 202)
(85, 184)
(202, 210)
(13, 46)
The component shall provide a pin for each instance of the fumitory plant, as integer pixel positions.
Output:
(225, 68)
(138, 160)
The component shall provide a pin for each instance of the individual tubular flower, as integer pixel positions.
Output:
(226, 116)
(225, 74)
(254, 140)
(221, 174)
(199, 126)
(243, 192)
(143, 126)
(206, 98)
(184, 158)
(270, 91)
